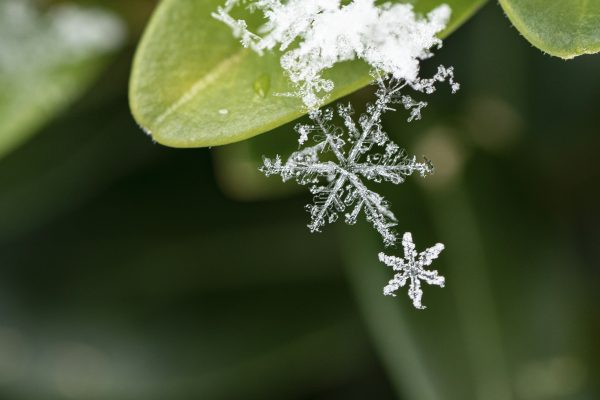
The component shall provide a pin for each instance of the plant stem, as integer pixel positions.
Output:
(393, 335)
(467, 275)
(386, 324)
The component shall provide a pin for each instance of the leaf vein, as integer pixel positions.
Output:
(201, 84)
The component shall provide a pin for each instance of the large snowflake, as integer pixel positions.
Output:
(412, 268)
(337, 181)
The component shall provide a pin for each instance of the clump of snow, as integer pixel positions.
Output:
(317, 34)
(412, 268)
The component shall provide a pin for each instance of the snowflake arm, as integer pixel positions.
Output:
(427, 257)
(375, 207)
(411, 269)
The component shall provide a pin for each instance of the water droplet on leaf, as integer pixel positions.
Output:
(261, 85)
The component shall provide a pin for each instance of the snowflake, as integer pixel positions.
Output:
(411, 268)
(314, 35)
(337, 182)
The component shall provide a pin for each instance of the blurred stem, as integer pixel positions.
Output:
(468, 278)
(267, 373)
(385, 321)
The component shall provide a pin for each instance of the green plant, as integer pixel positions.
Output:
(47, 60)
(189, 67)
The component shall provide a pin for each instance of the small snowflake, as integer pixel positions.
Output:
(337, 182)
(411, 267)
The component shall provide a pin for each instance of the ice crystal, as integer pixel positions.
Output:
(317, 34)
(412, 268)
(337, 182)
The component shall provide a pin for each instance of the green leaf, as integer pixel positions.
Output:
(45, 62)
(194, 85)
(27, 103)
(562, 28)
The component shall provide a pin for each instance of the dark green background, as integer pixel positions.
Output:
(129, 271)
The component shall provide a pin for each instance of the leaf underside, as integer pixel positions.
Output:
(562, 28)
(194, 85)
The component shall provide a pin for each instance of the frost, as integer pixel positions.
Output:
(411, 268)
(317, 34)
(337, 182)
(338, 161)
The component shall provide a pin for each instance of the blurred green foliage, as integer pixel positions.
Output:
(47, 59)
(127, 273)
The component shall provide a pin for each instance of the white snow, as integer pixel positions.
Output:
(338, 161)
(338, 183)
(411, 269)
(317, 34)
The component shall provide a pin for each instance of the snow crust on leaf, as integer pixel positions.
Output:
(317, 34)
